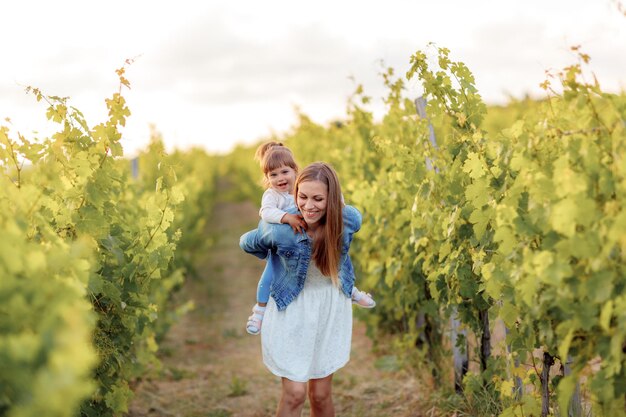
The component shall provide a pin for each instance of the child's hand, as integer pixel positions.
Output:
(296, 222)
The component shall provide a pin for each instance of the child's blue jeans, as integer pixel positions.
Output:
(265, 283)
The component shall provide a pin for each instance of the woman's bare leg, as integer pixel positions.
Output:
(291, 399)
(320, 395)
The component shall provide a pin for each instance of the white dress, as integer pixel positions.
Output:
(311, 338)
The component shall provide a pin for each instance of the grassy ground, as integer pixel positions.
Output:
(213, 368)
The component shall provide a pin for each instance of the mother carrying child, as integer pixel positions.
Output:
(307, 325)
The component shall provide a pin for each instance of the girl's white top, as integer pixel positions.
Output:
(273, 205)
(311, 338)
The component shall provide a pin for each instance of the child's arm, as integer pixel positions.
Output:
(269, 207)
(272, 214)
(296, 222)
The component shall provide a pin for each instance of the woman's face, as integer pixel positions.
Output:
(312, 199)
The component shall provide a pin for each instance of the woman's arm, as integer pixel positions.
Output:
(352, 219)
(259, 241)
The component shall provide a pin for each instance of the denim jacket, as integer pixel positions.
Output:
(290, 254)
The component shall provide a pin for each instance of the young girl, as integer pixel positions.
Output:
(279, 175)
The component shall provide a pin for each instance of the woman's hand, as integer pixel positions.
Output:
(296, 222)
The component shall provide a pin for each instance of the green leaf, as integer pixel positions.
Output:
(506, 239)
(117, 399)
(116, 149)
(605, 315)
(518, 161)
(480, 220)
(514, 131)
(567, 181)
(478, 192)
(541, 262)
(444, 250)
(565, 390)
(474, 166)
(598, 288)
(567, 340)
(563, 215)
(509, 314)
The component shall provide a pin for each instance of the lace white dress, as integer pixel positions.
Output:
(311, 338)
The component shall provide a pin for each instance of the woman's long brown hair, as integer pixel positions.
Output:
(327, 247)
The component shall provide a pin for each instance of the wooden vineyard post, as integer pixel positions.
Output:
(420, 106)
(575, 408)
(460, 351)
(517, 389)
(134, 167)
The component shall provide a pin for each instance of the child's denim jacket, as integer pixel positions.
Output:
(290, 253)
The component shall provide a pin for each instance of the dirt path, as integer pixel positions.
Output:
(213, 368)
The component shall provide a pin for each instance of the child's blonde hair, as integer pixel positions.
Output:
(273, 155)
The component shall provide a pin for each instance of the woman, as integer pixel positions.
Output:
(307, 327)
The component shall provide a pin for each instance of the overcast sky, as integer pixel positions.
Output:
(217, 73)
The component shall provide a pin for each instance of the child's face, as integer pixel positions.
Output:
(282, 179)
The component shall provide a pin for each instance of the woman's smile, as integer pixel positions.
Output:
(312, 199)
(310, 213)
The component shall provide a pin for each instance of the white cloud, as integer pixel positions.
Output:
(217, 72)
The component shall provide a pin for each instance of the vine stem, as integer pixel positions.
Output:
(17, 166)
(548, 361)
(167, 200)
